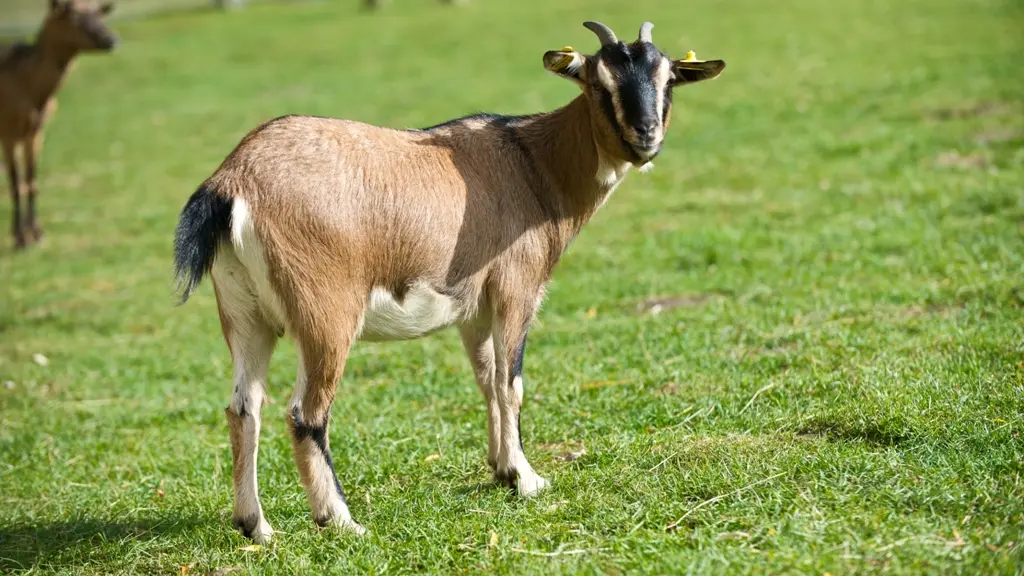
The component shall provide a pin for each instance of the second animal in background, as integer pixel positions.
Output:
(30, 76)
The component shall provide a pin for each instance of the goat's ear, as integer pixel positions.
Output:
(567, 63)
(691, 70)
(56, 5)
(107, 8)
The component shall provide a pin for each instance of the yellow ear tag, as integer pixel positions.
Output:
(691, 56)
(566, 59)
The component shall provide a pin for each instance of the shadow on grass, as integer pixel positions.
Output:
(75, 542)
(883, 433)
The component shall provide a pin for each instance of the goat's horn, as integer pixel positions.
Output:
(604, 33)
(645, 32)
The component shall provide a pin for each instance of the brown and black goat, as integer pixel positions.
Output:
(30, 75)
(335, 231)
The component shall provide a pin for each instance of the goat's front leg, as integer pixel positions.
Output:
(17, 225)
(32, 148)
(509, 333)
(479, 344)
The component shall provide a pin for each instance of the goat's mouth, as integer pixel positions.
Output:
(646, 151)
(104, 42)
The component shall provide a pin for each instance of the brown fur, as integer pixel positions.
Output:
(394, 193)
(236, 424)
(478, 209)
(30, 76)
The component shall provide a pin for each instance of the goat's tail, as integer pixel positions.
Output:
(204, 224)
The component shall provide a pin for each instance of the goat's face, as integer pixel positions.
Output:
(80, 25)
(629, 87)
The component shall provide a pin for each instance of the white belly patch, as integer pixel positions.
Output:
(421, 312)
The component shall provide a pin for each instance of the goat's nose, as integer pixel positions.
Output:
(646, 129)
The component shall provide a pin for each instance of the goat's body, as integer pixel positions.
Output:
(383, 216)
(335, 231)
(420, 309)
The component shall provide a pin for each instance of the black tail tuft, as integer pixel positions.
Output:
(204, 224)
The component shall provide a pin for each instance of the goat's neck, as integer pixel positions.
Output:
(51, 64)
(581, 175)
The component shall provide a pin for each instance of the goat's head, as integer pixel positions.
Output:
(629, 87)
(79, 25)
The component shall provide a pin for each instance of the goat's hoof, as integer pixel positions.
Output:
(530, 484)
(505, 476)
(254, 527)
(344, 525)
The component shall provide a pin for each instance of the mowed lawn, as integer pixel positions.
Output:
(796, 346)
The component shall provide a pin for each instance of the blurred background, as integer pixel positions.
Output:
(17, 16)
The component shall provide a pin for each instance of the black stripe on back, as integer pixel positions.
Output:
(498, 119)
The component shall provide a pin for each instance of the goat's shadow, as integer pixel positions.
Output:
(24, 545)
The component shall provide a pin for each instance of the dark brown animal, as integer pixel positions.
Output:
(335, 231)
(30, 75)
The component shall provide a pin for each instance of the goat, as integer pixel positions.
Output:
(30, 75)
(336, 231)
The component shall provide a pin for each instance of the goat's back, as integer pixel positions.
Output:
(386, 204)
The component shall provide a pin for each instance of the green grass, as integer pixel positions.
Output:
(841, 388)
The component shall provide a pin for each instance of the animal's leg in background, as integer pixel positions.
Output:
(479, 343)
(17, 224)
(323, 346)
(32, 148)
(509, 331)
(251, 341)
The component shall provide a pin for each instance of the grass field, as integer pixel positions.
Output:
(835, 383)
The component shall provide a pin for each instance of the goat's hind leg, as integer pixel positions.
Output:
(251, 340)
(323, 344)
